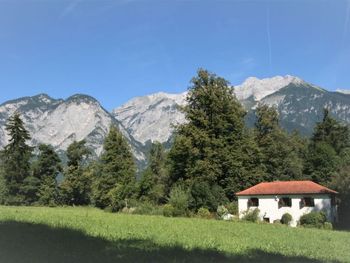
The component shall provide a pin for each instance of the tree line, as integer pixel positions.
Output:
(213, 156)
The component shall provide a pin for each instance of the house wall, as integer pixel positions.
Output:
(268, 206)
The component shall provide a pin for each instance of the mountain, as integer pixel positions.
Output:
(152, 117)
(300, 105)
(257, 89)
(59, 122)
(344, 91)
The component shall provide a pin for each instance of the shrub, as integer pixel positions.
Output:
(286, 219)
(232, 207)
(178, 198)
(327, 226)
(3, 189)
(221, 211)
(313, 219)
(203, 194)
(109, 209)
(252, 215)
(147, 208)
(168, 210)
(277, 221)
(203, 213)
(126, 210)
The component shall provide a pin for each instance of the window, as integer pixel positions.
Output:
(253, 202)
(309, 202)
(285, 202)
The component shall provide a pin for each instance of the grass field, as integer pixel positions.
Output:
(30, 234)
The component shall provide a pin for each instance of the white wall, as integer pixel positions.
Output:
(268, 206)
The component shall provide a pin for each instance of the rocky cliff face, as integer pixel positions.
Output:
(60, 122)
(152, 118)
(299, 103)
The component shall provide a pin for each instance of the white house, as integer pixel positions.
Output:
(297, 198)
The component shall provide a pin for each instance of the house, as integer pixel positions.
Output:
(273, 199)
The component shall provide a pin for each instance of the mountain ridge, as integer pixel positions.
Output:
(149, 118)
(141, 123)
(59, 122)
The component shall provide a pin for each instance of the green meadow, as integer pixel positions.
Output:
(77, 234)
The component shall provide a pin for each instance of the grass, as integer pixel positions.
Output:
(74, 234)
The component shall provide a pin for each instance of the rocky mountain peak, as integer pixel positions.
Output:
(60, 122)
(152, 117)
(260, 88)
(344, 91)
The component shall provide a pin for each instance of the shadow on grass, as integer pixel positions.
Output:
(23, 242)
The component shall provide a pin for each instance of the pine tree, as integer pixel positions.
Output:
(331, 132)
(3, 188)
(46, 168)
(207, 147)
(327, 146)
(16, 160)
(115, 181)
(76, 186)
(153, 183)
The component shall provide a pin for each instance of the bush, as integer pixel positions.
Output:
(109, 209)
(277, 221)
(178, 198)
(128, 210)
(286, 219)
(221, 211)
(147, 208)
(313, 219)
(203, 194)
(3, 189)
(168, 210)
(232, 207)
(327, 226)
(252, 215)
(203, 213)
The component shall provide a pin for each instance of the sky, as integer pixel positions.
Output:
(115, 50)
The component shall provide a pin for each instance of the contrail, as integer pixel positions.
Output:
(347, 18)
(268, 36)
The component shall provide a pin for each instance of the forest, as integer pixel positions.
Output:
(213, 155)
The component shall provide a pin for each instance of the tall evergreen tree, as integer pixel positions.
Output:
(16, 160)
(206, 148)
(3, 188)
(76, 186)
(153, 183)
(331, 132)
(46, 168)
(116, 180)
(329, 141)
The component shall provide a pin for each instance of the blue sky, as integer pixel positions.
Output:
(115, 50)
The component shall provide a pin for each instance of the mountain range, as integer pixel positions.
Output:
(60, 122)
(153, 117)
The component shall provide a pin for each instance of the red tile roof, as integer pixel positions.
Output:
(287, 187)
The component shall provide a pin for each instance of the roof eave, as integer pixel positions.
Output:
(323, 193)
